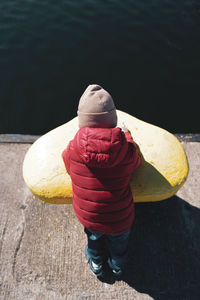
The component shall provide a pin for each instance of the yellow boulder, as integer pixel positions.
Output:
(163, 171)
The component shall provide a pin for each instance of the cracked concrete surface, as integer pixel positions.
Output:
(41, 245)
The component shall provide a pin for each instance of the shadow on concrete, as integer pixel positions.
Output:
(146, 176)
(164, 260)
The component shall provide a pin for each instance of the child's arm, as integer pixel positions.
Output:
(133, 147)
(66, 158)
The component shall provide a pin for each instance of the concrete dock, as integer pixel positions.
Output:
(42, 245)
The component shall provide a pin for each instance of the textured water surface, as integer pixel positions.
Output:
(145, 53)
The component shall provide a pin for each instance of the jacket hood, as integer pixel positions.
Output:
(100, 147)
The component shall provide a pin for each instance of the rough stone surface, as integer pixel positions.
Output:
(42, 245)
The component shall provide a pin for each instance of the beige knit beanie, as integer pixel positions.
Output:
(96, 108)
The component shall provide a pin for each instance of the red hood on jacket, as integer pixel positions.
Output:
(100, 147)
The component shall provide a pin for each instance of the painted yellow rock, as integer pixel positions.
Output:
(163, 171)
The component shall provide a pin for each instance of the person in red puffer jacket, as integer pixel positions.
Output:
(100, 160)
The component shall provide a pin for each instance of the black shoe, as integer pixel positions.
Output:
(97, 269)
(117, 273)
(116, 270)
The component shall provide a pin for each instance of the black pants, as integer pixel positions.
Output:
(110, 247)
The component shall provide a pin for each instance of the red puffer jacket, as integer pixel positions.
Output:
(100, 162)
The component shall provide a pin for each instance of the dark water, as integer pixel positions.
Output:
(145, 53)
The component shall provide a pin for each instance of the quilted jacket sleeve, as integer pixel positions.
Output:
(133, 149)
(66, 157)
